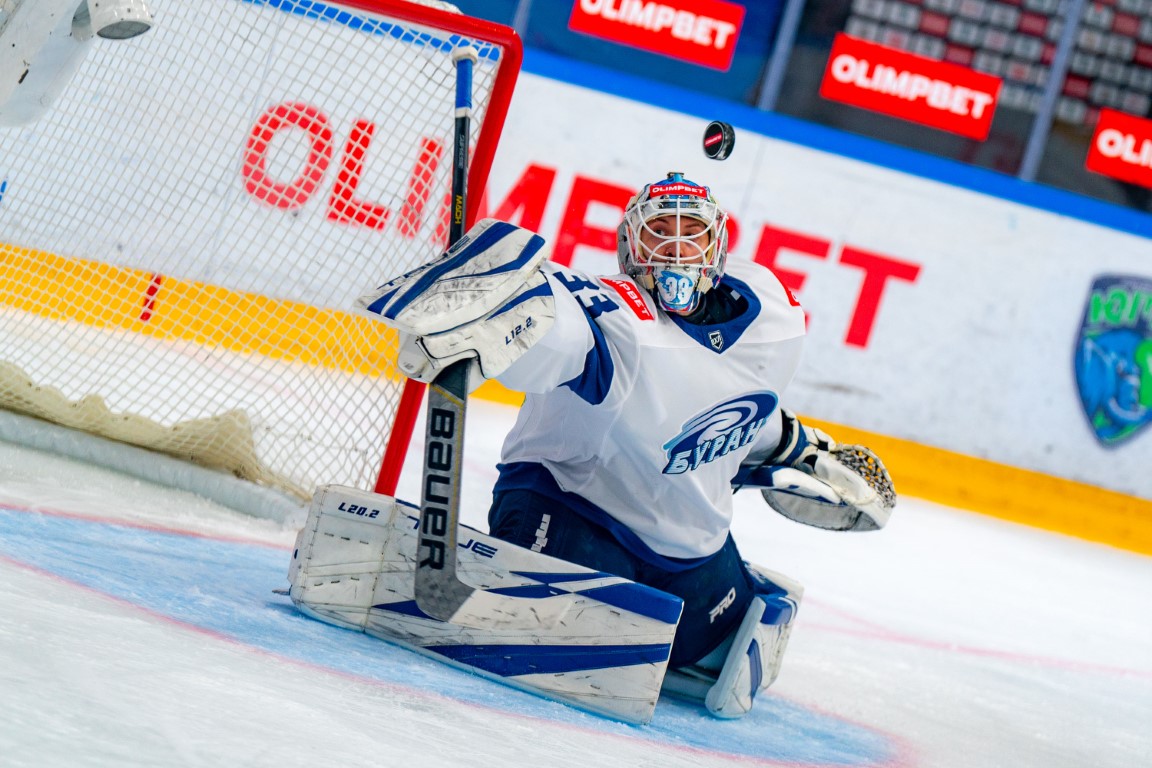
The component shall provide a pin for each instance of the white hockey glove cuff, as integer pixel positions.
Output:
(486, 298)
(813, 480)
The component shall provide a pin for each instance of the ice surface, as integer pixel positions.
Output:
(138, 627)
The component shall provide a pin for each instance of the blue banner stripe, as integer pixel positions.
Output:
(310, 9)
(515, 660)
(804, 133)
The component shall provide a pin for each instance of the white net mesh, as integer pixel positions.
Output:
(182, 234)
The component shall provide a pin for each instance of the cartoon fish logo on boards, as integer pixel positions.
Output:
(1114, 357)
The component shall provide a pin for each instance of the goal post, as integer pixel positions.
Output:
(183, 232)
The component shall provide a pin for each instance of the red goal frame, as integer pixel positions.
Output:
(468, 28)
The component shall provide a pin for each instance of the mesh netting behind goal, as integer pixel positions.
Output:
(182, 234)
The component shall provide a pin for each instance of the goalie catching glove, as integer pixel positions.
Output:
(813, 480)
(486, 298)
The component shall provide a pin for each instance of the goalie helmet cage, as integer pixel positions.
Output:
(183, 233)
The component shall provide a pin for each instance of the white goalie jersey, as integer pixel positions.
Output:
(671, 407)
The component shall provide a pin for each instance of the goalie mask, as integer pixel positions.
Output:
(673, 241)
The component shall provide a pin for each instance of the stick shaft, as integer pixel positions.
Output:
(438, 589)
(464, 62)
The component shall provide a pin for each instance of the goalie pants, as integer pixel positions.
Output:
(716, 592)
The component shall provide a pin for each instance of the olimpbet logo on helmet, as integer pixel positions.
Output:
(674, 241)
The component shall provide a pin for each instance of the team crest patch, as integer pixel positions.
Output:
(717, 340)
(718, 431)
(1114, 357)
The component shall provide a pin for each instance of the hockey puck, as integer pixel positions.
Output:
(719, 138)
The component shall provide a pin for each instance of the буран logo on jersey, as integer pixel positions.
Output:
(1114, 357)
(718, 431)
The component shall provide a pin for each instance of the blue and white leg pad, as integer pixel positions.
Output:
(754, 656)
(354, 566)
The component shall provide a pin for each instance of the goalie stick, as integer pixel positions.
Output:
(439, 590)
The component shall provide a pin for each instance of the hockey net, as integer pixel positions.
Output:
(182, 234)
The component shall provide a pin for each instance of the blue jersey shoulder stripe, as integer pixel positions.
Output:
(593, 383)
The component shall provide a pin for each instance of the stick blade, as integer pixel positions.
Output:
(439, 590)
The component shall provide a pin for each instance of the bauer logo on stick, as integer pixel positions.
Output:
(719, 138)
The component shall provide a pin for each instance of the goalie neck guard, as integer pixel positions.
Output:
(674, 241)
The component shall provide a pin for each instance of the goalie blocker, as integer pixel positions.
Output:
(484, 299)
